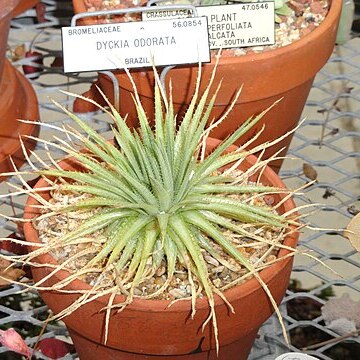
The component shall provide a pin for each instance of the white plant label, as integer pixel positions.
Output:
(135, 44)
(238, 25)
(295, 356)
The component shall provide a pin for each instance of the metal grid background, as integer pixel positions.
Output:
(333, 109)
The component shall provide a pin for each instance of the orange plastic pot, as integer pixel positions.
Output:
(286, 73)
(17, 101)
(150, 329)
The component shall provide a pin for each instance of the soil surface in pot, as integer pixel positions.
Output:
(305, 17)
(261, 250)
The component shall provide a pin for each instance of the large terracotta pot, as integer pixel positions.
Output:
(286, 73)
(149, 329)
(17, 100)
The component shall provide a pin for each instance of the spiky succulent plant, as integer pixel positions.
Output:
(156, 198)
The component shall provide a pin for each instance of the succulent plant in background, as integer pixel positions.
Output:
(281, 7)
(154, 200)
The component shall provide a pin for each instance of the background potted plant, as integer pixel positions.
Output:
(17, 101)
(286, 72)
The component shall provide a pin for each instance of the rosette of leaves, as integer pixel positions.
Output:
(157, 199)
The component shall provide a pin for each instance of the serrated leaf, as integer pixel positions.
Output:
(11, 274)
(19, 52)
(352, 232)
(310, 172)
(341, 308)
(40, 9)
(14, 342)
(54, 348)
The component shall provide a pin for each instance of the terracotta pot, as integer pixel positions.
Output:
(149, 329)
(23, 6)
(6, 13)
(286, 73)
(17, 100)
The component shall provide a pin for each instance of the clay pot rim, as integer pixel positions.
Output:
(334, 10)
(160, 305)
